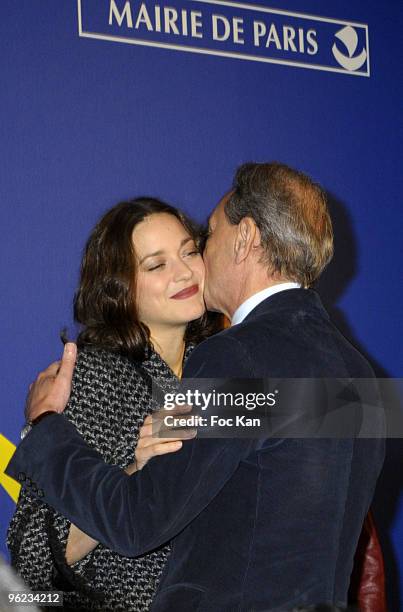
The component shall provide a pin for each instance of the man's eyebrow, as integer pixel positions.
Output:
(161, 251)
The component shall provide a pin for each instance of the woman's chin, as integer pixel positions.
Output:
(193, 313)
(196, 314)
(183, 313)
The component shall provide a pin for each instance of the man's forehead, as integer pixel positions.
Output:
(213, 216)
(219, 209)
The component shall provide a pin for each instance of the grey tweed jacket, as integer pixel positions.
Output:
(110, 398)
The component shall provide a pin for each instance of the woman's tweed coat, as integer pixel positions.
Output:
(110, 398)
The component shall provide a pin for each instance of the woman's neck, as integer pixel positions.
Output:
(170, 345)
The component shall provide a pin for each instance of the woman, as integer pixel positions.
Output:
(140, 304)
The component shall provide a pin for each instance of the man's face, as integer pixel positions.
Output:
(219, 260)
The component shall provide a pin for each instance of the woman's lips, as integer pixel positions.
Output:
(186, 293)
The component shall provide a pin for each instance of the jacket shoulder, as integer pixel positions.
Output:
(222, 355)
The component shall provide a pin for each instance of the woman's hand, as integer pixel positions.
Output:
(150, 445)
(79, 544)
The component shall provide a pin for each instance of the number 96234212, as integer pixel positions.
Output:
(39, 598)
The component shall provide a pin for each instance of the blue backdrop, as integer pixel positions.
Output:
(87, 121)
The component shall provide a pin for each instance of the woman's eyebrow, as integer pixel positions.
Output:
(161, 251)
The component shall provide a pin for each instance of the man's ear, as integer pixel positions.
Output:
(247, 239)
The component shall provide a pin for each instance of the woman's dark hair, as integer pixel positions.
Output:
(105, 303)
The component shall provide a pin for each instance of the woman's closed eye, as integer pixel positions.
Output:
(156, 266)
(159, 265)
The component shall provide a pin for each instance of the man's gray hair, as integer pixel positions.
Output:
(291, 213)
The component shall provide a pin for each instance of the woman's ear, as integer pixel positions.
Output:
(247, 238)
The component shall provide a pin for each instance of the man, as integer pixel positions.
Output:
(256, 524)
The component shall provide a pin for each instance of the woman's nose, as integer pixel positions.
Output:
(183, 271)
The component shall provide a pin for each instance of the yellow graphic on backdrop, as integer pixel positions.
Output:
(7, 449)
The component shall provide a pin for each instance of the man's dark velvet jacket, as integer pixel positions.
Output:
(253, 526)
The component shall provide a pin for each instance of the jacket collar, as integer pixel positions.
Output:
(306, 300)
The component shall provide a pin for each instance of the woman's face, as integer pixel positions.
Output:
(170, 272)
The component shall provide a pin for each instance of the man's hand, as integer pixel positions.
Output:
(51, 390)
(151, 445)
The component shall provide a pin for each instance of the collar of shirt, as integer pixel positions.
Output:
(244, 309)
